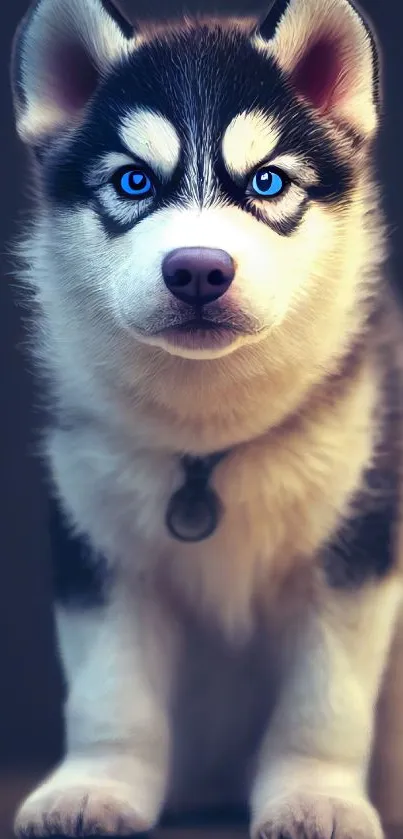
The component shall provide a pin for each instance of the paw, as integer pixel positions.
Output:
(91, 809)
(310, 816)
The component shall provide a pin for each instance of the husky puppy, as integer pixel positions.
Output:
(221, 350)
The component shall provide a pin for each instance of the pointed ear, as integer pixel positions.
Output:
(329, 54)
(61, 51)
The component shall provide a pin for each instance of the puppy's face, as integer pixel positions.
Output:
(201, 184)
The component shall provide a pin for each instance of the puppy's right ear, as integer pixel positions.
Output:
(329, 55)
(61, 51)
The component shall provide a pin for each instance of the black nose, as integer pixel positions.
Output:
(198, 275)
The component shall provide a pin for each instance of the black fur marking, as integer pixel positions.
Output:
(267, 27)
(199, 79)
(376, 56)
(112, 226)
(329, 192)
(126, 28)
(283, 226)
(364, 548)
(80, 577)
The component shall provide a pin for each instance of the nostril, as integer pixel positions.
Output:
(216, 277)
(181, 277)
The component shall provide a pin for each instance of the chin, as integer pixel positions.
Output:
(197, 344)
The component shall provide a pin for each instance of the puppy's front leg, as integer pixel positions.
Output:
(119, 662)
(311, 780)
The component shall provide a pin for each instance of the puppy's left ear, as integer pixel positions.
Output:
(329, 54)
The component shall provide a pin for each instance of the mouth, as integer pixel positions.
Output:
(200, 333)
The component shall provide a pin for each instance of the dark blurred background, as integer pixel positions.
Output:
(30, 722)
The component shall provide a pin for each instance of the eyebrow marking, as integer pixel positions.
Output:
(249, 138)
(151, 137)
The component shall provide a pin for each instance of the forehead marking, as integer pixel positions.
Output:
(251, 137)
(153, 138)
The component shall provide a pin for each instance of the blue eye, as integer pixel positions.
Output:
(133, 183)
(269, 182)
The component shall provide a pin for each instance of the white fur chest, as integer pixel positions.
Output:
(278, 506)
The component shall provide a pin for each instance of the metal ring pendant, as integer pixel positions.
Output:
(193, 513)
(195, 510)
